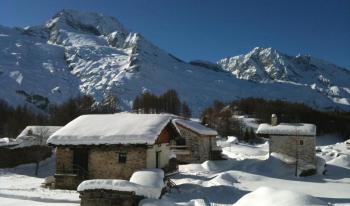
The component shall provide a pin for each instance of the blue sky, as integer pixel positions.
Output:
(210, 30)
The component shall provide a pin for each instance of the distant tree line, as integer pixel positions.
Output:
(219, 116)
(168, 102)
(14, 119)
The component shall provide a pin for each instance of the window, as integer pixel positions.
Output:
(301, 142)
(122, 157)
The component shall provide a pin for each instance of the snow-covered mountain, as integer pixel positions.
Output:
(267, 65)
(87, 53)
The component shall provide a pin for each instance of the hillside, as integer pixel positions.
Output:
(88, 53)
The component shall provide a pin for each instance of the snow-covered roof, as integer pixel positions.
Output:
(7, 142)
(119, 128)
(148, 183)
(38, 130)
(195, 126)
(300, 129)
(35, 135)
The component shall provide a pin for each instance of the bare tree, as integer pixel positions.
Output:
(40, 135)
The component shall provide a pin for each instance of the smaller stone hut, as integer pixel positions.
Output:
(297, 140)
(198, 142)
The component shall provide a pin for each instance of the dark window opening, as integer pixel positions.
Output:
(122, 157)
(301, 142)
(80, 162)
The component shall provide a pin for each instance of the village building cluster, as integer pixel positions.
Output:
(124, 157)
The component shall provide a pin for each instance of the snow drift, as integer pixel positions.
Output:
(265, 196)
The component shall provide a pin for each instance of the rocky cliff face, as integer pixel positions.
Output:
(267, 65)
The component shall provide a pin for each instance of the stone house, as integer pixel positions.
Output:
(296, 140)
(113, 146)
(198, 142)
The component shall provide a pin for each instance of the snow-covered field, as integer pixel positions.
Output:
(247, 177)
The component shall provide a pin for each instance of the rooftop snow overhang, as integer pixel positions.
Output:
(287, 129)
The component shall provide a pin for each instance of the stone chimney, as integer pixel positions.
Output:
(274, 120)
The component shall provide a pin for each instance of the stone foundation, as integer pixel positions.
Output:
(109, 198)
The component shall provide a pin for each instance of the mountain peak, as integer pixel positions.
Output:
(84, 22)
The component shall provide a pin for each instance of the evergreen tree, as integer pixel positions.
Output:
(186, 111)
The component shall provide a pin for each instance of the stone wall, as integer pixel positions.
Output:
(200, 145)
(103, 162)
(109, 198)
(291, 146)
(64, 160)
(65, 177)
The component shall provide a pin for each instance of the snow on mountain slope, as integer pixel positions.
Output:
(88, 53)
(267, 65)
(33, 71)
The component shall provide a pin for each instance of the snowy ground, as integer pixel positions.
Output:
(247, 169)
(19, 186)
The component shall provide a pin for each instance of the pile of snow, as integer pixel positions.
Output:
(231, 148)
(148, 183)
(288, 129)
(222, 142)
(4, 140)
(232, 139)
(195, 126)
(119, 128)
(150, 177)
(265, 196)
(342, 160)
(283, 157)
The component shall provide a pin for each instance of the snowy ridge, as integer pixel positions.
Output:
(267, 65)
(88, 53)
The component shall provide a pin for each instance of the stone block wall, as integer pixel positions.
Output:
(200, 145)
(65, 177)
(66, 181)
(64, 160)
(109, 198)
(103, 162)
(290, 144)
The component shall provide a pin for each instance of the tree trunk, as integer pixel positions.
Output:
(36, 168)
